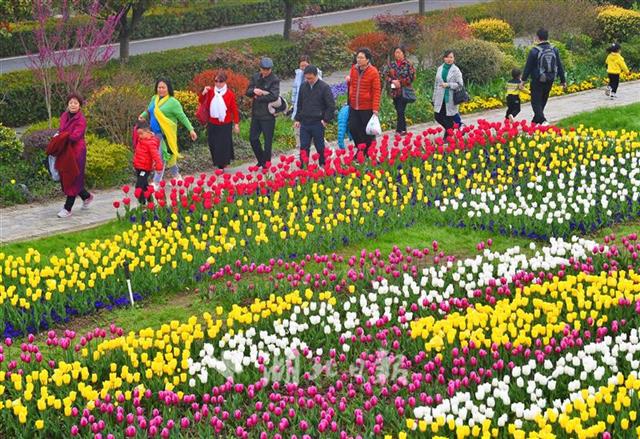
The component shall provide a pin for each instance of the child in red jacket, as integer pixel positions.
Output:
(146, 154)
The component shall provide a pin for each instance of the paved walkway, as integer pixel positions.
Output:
(232, 33)
(33, 221)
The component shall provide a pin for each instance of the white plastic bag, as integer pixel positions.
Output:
(373, 126)
(55, 175)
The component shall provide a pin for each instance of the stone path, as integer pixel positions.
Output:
(33, 221)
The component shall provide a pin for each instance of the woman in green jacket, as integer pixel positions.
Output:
(164, 112)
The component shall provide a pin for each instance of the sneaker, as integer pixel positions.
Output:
(178, 177)
(608, 91)
(613, 95)
(64, 213)
(544, 124)
(511, 118)
(86, 203)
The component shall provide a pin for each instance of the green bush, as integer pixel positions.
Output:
(631, 53)
(163, 21)
(493, 29)
(42, 125)
(108, 164)
(579, 44)
(20, 180)
(325, 46)
(480, 61)
(619, 24)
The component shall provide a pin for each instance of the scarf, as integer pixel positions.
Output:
(445, 72)
(169, 127)
(218, 109)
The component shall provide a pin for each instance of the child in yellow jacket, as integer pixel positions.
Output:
(615, 66)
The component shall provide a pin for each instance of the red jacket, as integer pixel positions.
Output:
(230, 101)
(364, 88)
(61, 147)
(146, 154)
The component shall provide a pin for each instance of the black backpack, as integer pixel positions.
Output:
(547, 63)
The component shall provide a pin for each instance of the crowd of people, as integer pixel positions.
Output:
(313, 106)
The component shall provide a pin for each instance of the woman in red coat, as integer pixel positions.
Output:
(73, 123)
(364, 97)
(221, 106)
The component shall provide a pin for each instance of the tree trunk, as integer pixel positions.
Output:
(422, 6)
(288, 18)
(123, 39)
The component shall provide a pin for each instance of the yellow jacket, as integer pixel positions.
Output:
(615, 64)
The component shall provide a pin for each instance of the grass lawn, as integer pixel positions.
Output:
(619, 118)
(56, 244)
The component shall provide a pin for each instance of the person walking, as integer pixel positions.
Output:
(70, 149)
(448, 79)
(264, 88)
(164, 112)
(615, 66)
(221, 106)
(543, 66)
(514, 87)
(400, 74)
(146, 157)
(298, 80)
(316, 108)
(364, 97)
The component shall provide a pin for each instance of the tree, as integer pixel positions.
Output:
(131, 12)
(70, 51)
(288, 18)
(422, 6)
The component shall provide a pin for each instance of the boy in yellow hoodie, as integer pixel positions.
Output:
(615, 66)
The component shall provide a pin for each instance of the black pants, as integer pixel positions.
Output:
(401, 106)
(312, 131)
(539, 97)
(513, 105)
(614, 82)
(220, 141)
(441, 117)
(68, 204)
(358, 120)
(142, 182)
(266, 127)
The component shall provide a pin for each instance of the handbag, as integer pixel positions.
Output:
(460, 96)
(408, 95)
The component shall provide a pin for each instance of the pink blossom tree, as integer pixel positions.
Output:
(69, 52)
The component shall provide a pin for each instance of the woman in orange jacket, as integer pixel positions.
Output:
(364, 97)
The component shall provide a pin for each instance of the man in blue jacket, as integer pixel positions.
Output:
(543, 66)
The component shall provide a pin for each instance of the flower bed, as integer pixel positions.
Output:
(492, 180)
(527, 340)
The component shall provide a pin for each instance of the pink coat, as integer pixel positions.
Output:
(76, 126)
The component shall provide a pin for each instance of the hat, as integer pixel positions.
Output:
(280, 105)
(266, 63)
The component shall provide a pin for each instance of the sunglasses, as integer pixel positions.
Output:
(219, 81)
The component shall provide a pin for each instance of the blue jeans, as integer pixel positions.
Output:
(315, 131)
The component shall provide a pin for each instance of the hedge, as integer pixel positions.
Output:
(164, 21)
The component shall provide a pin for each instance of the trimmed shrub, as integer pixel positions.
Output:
(240, 60)
(576, 16)
(379, 43)
(113, 110)
(35, 143)
(618, 24)
(325, 46)
(480, 61)
(440, 31)
(20, 179)
(492, 29)
(108, 164)
(42, 125)
(407, 27)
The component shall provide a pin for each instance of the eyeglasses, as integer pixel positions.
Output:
(219, 81)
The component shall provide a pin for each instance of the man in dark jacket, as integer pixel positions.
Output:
(264, 88)
(316, 107)
(543, 66)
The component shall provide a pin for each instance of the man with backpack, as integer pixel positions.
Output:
(543, 66)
